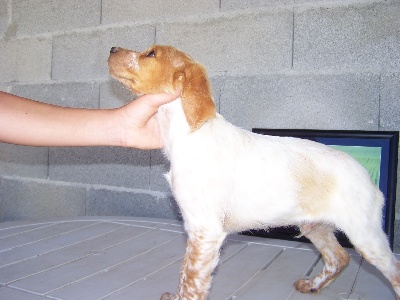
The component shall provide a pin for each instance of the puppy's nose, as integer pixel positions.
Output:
(114, 50)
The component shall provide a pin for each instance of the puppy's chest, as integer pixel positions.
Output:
(173, 125)
(215, 150)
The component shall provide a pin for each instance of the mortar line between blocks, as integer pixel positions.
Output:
(10, 13)
(293, 28)
(379, 101)
(101, 12)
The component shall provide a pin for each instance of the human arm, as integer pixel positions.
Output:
(28, 122)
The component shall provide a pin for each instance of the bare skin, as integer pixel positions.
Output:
(28, 122)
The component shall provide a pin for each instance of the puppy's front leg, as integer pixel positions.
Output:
(201, 257)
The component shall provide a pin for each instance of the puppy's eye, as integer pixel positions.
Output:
(152, 53)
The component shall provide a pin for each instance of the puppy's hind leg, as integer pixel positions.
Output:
(372, 243)
(334, 256)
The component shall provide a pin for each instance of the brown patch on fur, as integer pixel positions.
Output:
(164, 69)
(166, 296)
(315, 186)
(395, 282)
(198, 263)
(202, 252)
(197, 102)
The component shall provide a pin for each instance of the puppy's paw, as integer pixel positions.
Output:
(305, 286)
(166, 296)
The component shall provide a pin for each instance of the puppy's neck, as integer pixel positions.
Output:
(173, 123)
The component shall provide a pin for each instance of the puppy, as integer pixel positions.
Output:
(226, 179)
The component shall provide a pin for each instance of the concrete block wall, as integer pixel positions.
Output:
(310, 64)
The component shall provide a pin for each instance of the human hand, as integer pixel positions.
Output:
(27, 122)
(138, 121)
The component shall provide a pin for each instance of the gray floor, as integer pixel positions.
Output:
(139, 258)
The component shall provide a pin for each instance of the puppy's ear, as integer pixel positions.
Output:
(197, 102)
(178, 81)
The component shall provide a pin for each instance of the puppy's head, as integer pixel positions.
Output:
(164, 69)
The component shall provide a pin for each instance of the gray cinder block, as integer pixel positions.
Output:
(349, 37)
(114, 166)
(390, 102)
(159, 167)
(4, 17)
(23, 161)
(104, 202)
(245, 44)
(390, 115)
(216, 85)
(396, 242)
(302, 101)
(23, 199)
(113, 94)
(38, 16)
(17, 63)
(5, 88)
(134, 10)
(246, 4)
(82, 95)
(83, 56)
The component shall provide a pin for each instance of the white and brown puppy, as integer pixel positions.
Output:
(226, 179)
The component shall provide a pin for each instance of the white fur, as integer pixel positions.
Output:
(226, 179)
(247, 179)
(133, 62)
